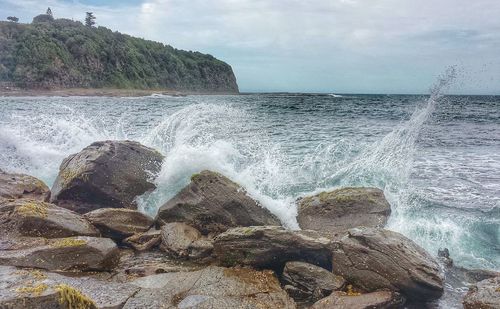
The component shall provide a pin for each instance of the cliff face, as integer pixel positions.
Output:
(66, 54)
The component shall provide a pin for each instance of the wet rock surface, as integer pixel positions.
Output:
(271, 247)
(108, 174)
(35, 218)
(373, 259)
(483, 295)
(211, 287)
(374, 300)
(212, 203)
(337, 211)
(310, 282)
(16, 186)
(73, 254)
(119, 223)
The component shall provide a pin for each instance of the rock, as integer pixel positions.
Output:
(134, 265)
(483, 295)
(311, 281)
(184, 241)
(16, 186)
(37, 289)
(144, 241)
(211, 287)
(73, 253)
(212, 203)
(40, 219)
(444, 256)
(339, 210)
(119, 223)
(374, 300)
(373, 259)
(109, 174)
(271, 247)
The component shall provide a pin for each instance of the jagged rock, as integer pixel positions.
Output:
(39, 219)
(108, 174)
(16, 186)
(339, 210)
(184, 241)
(144, 241)
(211, 287)
(73, 253)
(483, 295)
(373, 259)
(37, 289)
(119, 223)
(271, 247)
(374, 300)
(310, 282)
(444, 256)
(212, 203)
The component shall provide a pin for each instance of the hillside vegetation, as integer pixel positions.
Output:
(62, 53)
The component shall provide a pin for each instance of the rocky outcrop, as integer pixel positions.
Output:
(483, 295)
(271, 247)
(16, 186)
(339, 210)
(108, 174)
(307, 282)
(374, 300)
(37, 289)
(119, 223)
(40, 219)
(184, 241)
(212, 203)
(212, 287)
(373, 259)
(73, 253)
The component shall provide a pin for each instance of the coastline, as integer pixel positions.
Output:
(98, 92)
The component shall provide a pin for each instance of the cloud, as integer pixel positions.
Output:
(315, 45)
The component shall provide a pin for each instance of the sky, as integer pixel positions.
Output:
(334, 46)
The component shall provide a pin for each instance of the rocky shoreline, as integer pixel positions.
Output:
(84, 244)
(97, 92)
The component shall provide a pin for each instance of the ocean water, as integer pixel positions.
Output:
(436, 157)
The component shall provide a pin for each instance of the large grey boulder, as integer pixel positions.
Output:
(119, 223)
(339, 210)
(271, 247)
(37, 289)
(212, 203)
(309, 282)
(211, 287)
(16, 186)
(483, 295)
(373, 259)
(68, 254)
(374, 300)
(40, 219)
(108, 174)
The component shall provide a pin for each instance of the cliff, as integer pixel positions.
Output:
(60, 53)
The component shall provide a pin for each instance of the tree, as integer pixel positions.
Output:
(49, 12)
(13, 19)
(90, 19)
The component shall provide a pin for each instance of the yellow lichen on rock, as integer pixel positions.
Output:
(72, 298)
(68, 242)
(351, 292)
(33, 208)
(33, 289)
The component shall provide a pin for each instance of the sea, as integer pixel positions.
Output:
(436, 156)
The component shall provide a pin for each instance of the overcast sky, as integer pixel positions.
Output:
(337, 46)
